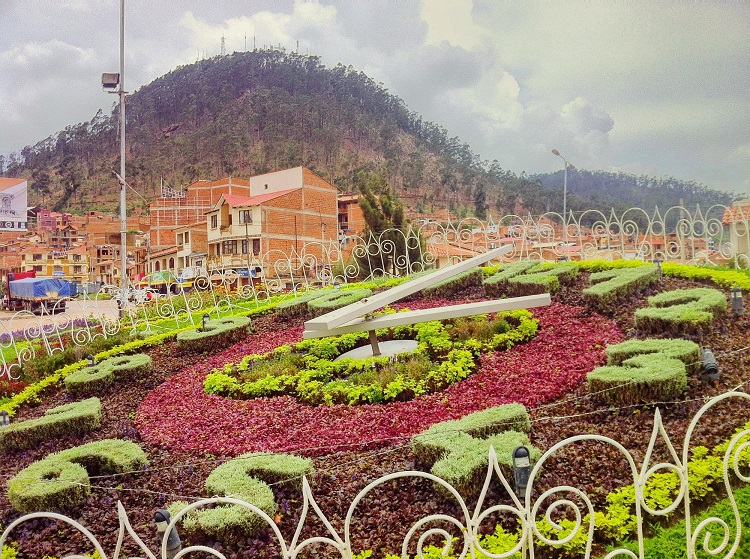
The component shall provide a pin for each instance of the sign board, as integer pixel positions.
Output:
(58, 274)
(13, 204)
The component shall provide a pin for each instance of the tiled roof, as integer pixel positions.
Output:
(8, 182)
(736, 213)
(236, 201)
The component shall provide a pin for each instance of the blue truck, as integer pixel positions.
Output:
(38, 294)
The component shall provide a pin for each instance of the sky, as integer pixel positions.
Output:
(650, 87)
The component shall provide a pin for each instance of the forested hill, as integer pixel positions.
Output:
(250, 113)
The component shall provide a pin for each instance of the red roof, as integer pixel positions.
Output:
(736, 213)
(8, 182)
(235, 200)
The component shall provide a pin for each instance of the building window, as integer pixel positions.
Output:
(214, 221)
(229, 247)
(187, 237)
(37, 257)
(256, 247)
(246, 216)
(76, 258)
(58, 269)
(77, 269)
(245, 245)
(37, 268)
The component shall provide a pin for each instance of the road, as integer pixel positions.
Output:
(74, 309)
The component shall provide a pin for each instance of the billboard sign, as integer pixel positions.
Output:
(13, 204)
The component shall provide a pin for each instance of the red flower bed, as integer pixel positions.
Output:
(178, 414)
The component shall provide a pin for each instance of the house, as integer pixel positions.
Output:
(737, 217)
(286, 211)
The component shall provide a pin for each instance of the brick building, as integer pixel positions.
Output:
(286, 210)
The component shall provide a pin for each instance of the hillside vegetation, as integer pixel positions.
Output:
(254, 112)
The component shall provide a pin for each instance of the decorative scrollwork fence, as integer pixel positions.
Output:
(697, 237)
(716, 536)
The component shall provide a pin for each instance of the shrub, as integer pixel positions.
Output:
(610, 285)
(644, 371)
(451, 286)
(297, 307)
(497, 284)
(102, 375)
(221, 332)
(680, 311)
(335, 299)
(543, 278)
(76, 418)
(458, 450)
(61, 480)
(245, 477)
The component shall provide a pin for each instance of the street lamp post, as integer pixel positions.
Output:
(565, 194)
(110, 82)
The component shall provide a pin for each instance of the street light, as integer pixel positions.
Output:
(565, 194)
(110, 81)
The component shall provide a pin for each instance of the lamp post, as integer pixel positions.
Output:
(110, 82)
(565, 194)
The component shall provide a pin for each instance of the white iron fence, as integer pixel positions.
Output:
(535, 506)
(697, 237)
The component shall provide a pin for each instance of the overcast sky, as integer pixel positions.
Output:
(648, 87)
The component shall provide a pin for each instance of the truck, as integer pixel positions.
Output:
(40, 295)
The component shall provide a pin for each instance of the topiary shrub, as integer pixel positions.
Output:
(297, 307)
(543, 278)
(221, 332)
(644, 371)
(458, 451)
(497, 284)
(610, 285)
(681, 311)
(333, 299)
(246, 477)
(76, 418)
(102, 375)
(451, 286)
(61, 480)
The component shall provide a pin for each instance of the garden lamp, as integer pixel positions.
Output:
(521, 468)
(738, 306)
(206, 318)
(91, 359)
(4, 418)
(710, 366)
(162, 519)
(658, 262)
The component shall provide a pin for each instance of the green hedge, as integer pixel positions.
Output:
(610, 285)
(644, 371)
(297, 307)
(458, 450)
(333, 299)
(102, 375)
(75, 418)
(725, 279)
(219, 333)
(681, 311)
(61, 480)
(451, 286)
(543, 278)
(245, 477)
(497, 284)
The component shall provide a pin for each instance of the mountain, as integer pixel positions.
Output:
(254, 112)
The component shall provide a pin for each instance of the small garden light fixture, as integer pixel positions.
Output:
(4, 418)
(657, 263)
(710, 366)
(174, 544)
(206, 318)
(738, 305)
(521, 468)
(91, 359)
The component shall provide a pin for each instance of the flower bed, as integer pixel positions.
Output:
(179, 414)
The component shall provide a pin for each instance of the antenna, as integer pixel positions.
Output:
(223, 46)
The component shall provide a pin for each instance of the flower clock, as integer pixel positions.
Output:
(275, 392)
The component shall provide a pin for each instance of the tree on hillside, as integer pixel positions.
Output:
(393, 246)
